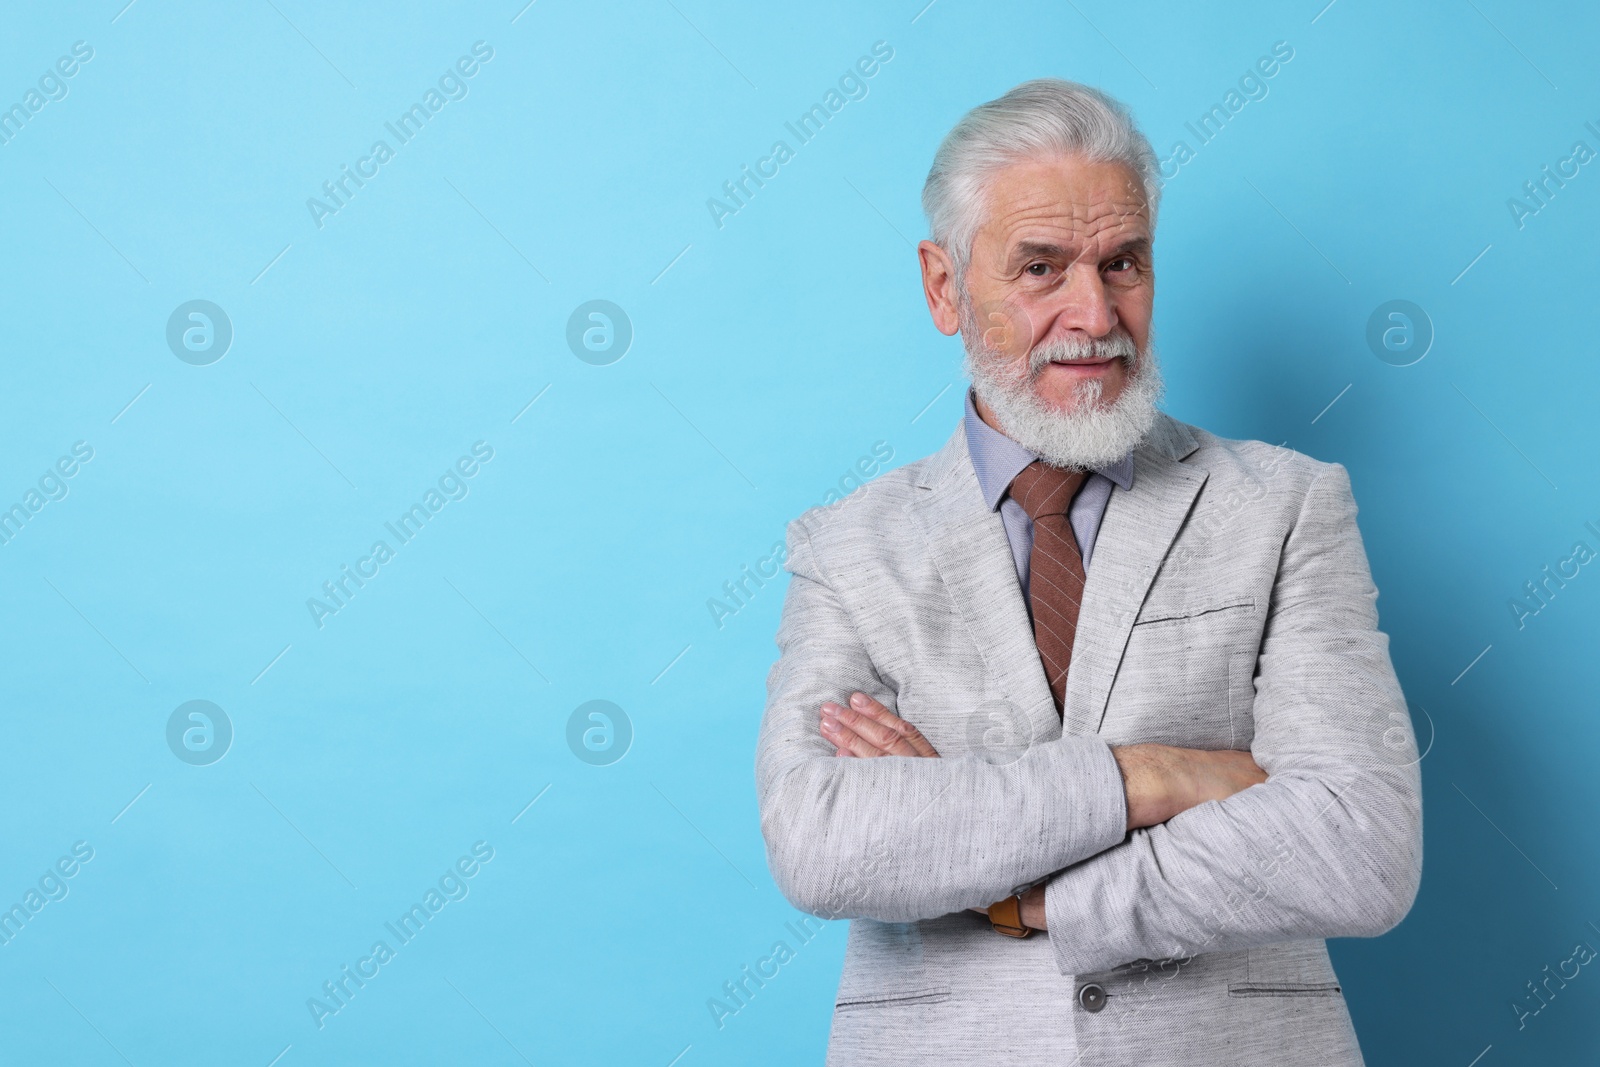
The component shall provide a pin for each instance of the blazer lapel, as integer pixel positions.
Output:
(968, 544)
(1135, 535)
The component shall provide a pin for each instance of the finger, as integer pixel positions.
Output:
(875, 709)
(857, 744)
(919, 745)
(869, 717)
(887, 740)
(846, 742)
(828, 726)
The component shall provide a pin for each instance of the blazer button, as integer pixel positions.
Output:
(1092, 997)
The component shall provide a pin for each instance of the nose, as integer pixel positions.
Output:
(1081, 303)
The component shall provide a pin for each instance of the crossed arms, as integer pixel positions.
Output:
(1158, 781)
(1179, 860)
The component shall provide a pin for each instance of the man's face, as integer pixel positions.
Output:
(1062, 260)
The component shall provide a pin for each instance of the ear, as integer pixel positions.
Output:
(939, 286)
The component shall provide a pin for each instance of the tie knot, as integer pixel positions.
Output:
(1045, 490)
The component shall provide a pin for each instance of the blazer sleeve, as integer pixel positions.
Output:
(1331, 844)
(894, 838)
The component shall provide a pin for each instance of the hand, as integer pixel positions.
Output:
(866, 728)
(1162, 781)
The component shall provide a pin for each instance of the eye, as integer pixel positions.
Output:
(1122, 265)
(1037, 269)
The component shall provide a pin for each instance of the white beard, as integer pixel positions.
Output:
(1090, 435)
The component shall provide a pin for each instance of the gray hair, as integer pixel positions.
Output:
(1038, 119)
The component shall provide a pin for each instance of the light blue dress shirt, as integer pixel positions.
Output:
(997, 459)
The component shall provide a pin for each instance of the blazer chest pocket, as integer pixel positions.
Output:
(1186, 678)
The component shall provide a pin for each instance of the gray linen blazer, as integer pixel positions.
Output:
(1230, 605)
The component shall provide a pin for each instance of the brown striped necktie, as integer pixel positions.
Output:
(1055, 566)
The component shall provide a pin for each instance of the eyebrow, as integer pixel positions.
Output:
(1030, 250)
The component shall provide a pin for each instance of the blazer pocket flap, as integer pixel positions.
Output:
(884, 965)
(926, 996)
(1284, 989)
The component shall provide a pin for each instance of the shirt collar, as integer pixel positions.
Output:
(997, 459)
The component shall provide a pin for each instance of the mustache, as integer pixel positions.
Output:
(1118, 345)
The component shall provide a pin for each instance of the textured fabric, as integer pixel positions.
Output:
(1055, 583)
(996, 459)
(1229, 605)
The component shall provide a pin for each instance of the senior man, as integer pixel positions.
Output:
(1086, 673)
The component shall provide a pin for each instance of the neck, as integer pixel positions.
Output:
(986, 413)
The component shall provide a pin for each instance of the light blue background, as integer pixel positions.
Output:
(769, 355)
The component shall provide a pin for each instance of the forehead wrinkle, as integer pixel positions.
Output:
(1045, 208)
(1084, 223)
(1100, 234)
(1090, 213)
